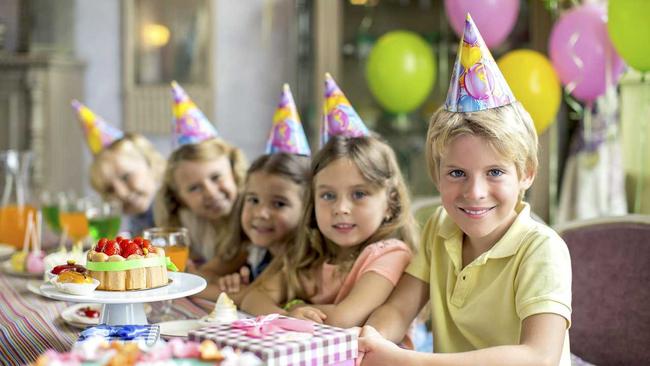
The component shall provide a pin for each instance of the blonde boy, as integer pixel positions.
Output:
(498, 282)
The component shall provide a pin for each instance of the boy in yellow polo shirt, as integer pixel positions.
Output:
(499, 283)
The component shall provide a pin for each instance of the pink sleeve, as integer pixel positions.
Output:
(388, 258)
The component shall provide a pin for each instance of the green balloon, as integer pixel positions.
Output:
(629, 29)
(401, 71)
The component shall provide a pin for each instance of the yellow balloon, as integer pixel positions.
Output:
(535, 84)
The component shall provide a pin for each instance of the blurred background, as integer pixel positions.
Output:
(578, 67)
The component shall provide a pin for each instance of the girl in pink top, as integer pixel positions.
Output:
(354, 241)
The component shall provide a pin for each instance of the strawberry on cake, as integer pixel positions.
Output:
(123, 264)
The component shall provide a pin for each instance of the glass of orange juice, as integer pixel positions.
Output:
(175, 241)
(73, 221)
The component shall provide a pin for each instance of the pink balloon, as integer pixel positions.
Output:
(581, 50)
(493, 18)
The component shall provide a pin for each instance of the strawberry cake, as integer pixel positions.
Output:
(123, 264)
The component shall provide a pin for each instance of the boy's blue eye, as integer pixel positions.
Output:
(357, 195)
(193, 188)
(215, 177)
(495, 172)
(125, 177)
(327, 196)
(252, 200)
(457, 173)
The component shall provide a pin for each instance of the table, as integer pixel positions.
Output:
(30, 324)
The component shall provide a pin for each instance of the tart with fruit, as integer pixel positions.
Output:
(123, 264)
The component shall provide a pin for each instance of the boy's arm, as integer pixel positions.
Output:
(542, 339)
(394, 317)
(265, 295)
(368, 294)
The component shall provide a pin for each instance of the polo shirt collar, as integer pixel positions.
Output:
(505, 247)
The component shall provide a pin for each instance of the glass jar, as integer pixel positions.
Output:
(15, 206)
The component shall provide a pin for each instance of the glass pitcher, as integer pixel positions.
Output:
(15, 170)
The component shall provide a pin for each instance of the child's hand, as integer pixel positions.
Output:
(234, 282)
(307, 312)
(377, 350)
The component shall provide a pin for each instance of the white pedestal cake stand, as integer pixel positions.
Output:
(127, 307)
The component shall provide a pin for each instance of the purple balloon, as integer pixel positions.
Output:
(581, 51)
(493, 18)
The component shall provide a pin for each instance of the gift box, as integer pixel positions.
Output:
(283, 341)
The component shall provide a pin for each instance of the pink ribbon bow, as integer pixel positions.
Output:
(267, 324)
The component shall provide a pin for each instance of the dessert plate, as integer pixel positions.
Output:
(71, 316)
(178, 328)
(8, 269)
(6, 251)
(34, 286)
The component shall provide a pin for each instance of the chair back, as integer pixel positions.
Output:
(610, 259)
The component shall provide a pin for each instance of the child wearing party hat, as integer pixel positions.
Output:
(125, 167)
(498, 282)
(267, 212)
(202, 181)
(356, 232)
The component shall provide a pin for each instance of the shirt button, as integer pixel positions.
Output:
(463, 278)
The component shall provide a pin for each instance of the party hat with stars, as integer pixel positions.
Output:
(339, 118)
(192, 126)
(287, 134)
(476, 81)
(99, 133)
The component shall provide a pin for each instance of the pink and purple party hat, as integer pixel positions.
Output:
(287, 134)
(192, 126)
(99, 133)
(476, 81)
(339, 118)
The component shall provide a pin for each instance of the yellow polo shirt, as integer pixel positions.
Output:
(527, 272)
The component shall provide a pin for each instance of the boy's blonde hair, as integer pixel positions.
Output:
(508, 129)
(289, 166)
(131, 145)
(378, 165)
(168, 202)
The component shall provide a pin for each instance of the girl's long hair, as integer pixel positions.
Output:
(378, 165)
(290, 166)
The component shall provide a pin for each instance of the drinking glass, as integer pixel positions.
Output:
(50, 202)
(174, 240)
(72, 217)
(104, 218)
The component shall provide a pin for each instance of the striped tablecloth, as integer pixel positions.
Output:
(30, 324)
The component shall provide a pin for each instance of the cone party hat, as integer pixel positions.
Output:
(287, 134)
(192, 126)
(99, 133)
(476, 81)
(339, 118)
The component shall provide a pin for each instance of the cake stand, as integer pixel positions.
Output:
(127, 307)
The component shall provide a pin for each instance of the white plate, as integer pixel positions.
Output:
(8, 269)
(34, 286)
(70, 316)
(182, 285)
(179, 328)
(6, 250)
